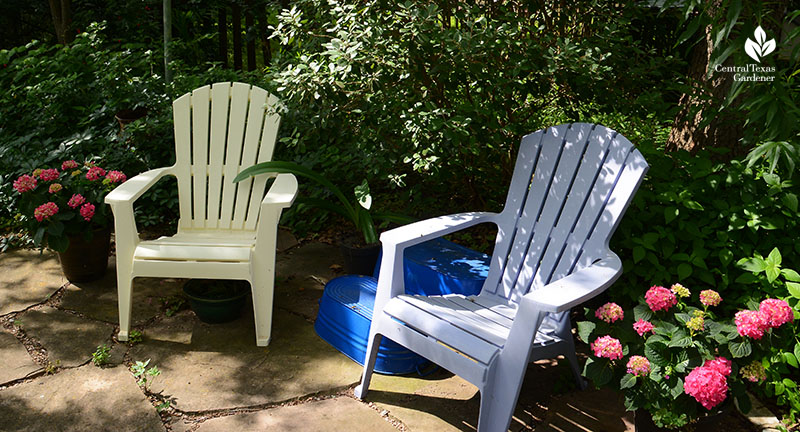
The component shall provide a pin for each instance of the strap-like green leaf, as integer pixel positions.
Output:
(297, 169)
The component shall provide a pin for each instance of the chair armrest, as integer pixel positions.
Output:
(576, 288)
(558, 296)
(282, 193)
(418, 232)
(391, 279)
(132, 189)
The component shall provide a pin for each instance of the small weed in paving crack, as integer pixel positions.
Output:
(134, 337)
(173, 304)
(101, 356)
(52, 367)
(144, 375)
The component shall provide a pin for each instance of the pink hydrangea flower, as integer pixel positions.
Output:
(95, 173)
(719, 364)
(638, 365)
(710, 298)
(37, 172)
(45, 211)
(660, 298)
(49, 174)
(87, 211)
(68, 165)
(607, 347)
(76, 201)
(55, 188)
(116, 176)
(25, 183)
(643, 327)
(754, 372)
(609, 312)
(752, 324)
(778, 312)
(707, 386)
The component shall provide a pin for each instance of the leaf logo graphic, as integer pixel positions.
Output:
(761, 47)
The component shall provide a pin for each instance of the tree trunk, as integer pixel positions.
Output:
(62, 20)
(251, 40)
(167, 40)
(688, 131)
(266, 45)
(236, 28)
(222, 29)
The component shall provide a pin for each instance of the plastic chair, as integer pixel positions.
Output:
(571, 185)
(225, 230)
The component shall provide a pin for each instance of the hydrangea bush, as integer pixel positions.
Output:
(675, 358)
(56, 204)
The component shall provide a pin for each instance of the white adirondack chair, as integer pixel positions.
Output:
(226, 230)
(570, 187)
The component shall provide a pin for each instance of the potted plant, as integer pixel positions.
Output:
(359, 258)
(216, 301)
(675, 361)
(63, 210)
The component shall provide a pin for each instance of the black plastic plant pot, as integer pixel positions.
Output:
(360, 260)
(216, 301)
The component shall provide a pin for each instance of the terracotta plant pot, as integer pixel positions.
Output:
(85, 261)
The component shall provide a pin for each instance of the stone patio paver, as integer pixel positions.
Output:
(14, 358)
(339, 414)
(444, 402)
(82, 399)
(207, 367)
(592, 410)
(310, 259)
(68, 338)
(28, 277)
(440, 402)
(98, 299)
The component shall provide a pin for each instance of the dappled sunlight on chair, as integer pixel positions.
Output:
(571, 185)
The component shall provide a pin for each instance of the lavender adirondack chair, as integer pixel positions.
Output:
(571, 185)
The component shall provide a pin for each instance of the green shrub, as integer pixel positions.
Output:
(693, 218)
(60, 103)
(432, 102)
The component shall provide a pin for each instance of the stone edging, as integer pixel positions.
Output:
(761, 417)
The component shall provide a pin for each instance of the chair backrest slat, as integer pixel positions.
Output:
(579, 212)
(527, 160)
(268, 137)
(219, 131)
(625, 187)
(584, 177)
(181, 116)
(201, 99)
(591, 203)
(240, 95)
(255, 121)
(549, 194)
(220, 98)
(532, 207)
